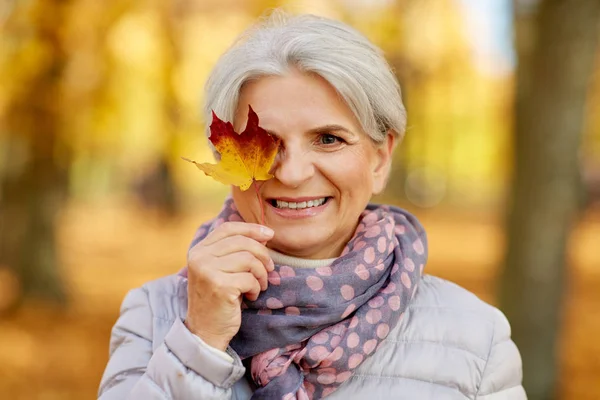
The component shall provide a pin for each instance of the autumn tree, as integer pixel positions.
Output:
(33, 168)
(556, 43)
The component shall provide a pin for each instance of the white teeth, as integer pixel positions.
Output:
(300, 205)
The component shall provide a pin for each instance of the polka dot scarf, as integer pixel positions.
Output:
(306, 334)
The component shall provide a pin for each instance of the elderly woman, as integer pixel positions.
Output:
(326, 297)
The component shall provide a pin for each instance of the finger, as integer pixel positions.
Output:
(247, 284)
(244, 261)
(238, 243)
(257, 232)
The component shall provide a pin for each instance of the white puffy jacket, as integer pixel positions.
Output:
(449, 345)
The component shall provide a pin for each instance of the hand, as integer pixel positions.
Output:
(229, 263)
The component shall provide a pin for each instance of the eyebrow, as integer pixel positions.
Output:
(319, 129)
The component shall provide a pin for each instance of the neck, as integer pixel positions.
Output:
(297, 262)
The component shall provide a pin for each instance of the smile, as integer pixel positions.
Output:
(299, 205)
(281, 204)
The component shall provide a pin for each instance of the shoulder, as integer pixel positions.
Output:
(446, 338)
(166, 286)
(167, 296)
(163, 298)
(150, 310)
(438, 293)
(446, 313)
(445, 344)
(473, 339)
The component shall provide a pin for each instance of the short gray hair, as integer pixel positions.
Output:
(331, 49)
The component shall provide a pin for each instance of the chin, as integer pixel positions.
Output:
(296, 248)
(300, 246)
(303, 242)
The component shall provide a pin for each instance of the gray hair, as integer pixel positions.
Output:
(333, 50)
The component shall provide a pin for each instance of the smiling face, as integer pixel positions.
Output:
(325, 173)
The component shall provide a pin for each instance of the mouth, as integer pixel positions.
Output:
(299, 204)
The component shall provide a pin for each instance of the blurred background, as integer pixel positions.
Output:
(100, 99)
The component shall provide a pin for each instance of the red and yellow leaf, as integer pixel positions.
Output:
(245, 157)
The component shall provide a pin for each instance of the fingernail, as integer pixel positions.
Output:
(265, 230)
(272, 264)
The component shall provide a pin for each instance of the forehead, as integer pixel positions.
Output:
(293, 102)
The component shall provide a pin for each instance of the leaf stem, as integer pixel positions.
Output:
(262, 207)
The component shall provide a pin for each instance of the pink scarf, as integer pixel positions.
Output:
(309, 331)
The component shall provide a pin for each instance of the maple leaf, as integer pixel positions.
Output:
(245, 157)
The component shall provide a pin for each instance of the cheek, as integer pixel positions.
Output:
(244, 201)
(351, 174)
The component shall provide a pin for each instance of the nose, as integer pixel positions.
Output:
(293, 168)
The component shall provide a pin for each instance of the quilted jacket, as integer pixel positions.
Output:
(449, 346)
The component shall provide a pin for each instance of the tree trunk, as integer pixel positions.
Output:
(33, 179)
(157, 188)
(556, 45)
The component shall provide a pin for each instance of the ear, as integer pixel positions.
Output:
(383, 163)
